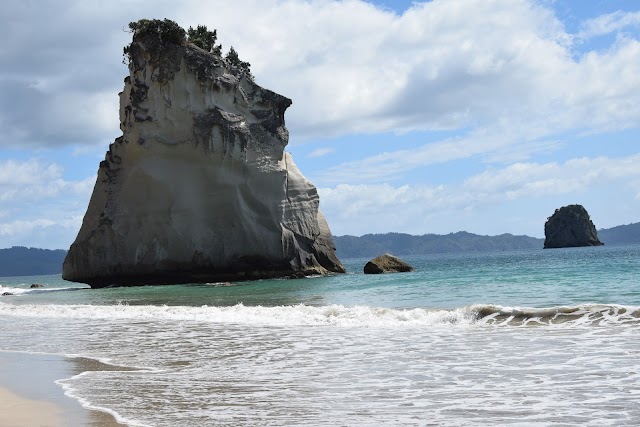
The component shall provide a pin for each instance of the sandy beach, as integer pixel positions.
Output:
(16, 410)
(30, 397)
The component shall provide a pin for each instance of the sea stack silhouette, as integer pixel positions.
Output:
(570, 226)
(198, 188)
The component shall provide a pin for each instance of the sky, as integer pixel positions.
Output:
(416, 117)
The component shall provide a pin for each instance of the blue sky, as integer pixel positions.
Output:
(417, 117)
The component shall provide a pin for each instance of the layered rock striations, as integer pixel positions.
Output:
(198, 188)
(570, 226)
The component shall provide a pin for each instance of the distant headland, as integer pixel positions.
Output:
(370, 245)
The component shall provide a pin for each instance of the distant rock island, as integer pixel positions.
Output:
(620, 235)
(569, 227)
(198, 188)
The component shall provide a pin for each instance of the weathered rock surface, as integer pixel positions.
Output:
(198, 188)
(570, 226)
(387, 264)
(36, 286)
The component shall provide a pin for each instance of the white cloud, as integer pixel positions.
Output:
(350, 68)
(482, 200)
(321, 152)
(27, 173)
(522, 151)
(543, 179)
(40, 207)
(18, 227)
(434, 68)
(505, 75)
(360, 209)
(391, 165)
(34, 180)
(609, 23)
(60, 72)
(41, 233)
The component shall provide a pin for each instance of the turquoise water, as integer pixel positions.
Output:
(541, 337)
(539, 278)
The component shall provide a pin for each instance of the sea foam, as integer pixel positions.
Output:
(24, 290)
(299, 315)
(341, 316)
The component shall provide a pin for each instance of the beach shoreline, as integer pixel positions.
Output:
(30, 396)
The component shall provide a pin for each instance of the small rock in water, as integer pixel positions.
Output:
(387, 264)
(6, 294)
(36, 285)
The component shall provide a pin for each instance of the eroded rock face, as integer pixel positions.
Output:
(387, 264)
(198, 188)
(570, 226)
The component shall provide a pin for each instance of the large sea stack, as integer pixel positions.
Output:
(198, 188)
(570, 226)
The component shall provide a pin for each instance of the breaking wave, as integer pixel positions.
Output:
(341, 316)
(13, 291)
(587, 314)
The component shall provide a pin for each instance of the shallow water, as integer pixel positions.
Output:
(509, 338)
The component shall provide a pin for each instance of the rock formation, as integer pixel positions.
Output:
(570, 226)
(198, 188)
(387, 264)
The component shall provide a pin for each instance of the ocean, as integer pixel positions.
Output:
(535, 338)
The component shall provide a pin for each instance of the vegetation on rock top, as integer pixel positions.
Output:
(161, 32)
(166, 30)
(204, 39)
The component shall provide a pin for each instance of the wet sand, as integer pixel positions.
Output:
(30, 397)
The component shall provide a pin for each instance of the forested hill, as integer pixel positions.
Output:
(620, 235)
(371, 245)
(21, 261)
